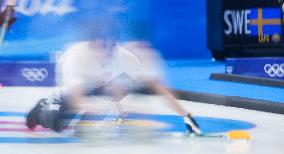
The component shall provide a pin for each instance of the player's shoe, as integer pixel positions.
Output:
(191, 125)
(33, 116)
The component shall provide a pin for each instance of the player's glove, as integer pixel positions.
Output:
(191, 125)
(8, 15)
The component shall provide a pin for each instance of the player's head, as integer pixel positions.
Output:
(101, 29)
(138, 31)
(105, 32)
(108, 36)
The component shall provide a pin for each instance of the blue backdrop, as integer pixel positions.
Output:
(177, 28)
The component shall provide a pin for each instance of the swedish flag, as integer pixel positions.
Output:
(265, 21)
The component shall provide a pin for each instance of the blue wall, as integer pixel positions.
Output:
(177, 28)
(180, 28)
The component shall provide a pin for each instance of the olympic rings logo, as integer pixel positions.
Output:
(274, 70)
(35, 74)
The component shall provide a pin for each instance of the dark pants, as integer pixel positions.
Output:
(59, 120)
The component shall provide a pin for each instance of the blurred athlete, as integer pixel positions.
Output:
(8, 14)
(101, 67)
(7, 17)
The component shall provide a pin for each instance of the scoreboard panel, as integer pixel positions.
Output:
(245, 28)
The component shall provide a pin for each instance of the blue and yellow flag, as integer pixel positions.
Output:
(265, 21)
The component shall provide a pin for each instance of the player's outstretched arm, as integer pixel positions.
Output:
(190, 123)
